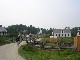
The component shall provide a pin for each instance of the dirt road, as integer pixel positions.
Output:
(10, 52)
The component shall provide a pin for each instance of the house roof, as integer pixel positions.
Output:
(64, 30)
(2, 29)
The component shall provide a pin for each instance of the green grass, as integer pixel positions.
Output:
(45, 39)
(52, 44)
(61, 40)
(66, 40)
(42, 35)
(30, 52)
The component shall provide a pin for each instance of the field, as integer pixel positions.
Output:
(30, 52)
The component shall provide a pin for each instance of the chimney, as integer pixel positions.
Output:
(0, 25)
(67, 27)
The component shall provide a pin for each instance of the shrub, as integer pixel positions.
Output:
(66, 40)
(3, 40)
(29, 48)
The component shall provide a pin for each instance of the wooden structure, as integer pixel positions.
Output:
(77, 43)
(54, 40)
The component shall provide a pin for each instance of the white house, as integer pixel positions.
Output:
(3, 31)
(62, 32)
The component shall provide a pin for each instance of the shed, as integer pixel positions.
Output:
(54, 40)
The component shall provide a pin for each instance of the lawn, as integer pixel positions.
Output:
(52, 44)
(30, 52)
(45, 39)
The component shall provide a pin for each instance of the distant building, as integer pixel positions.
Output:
(3, 31)
(40, 32)
(62, 32)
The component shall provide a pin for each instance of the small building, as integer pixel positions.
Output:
(40, 32)
(3, 31)
(77, 41)
(62, 32)
(54, 40)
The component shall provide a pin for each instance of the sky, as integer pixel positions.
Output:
(40, 13)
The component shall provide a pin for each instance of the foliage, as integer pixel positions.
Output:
(52, 44)
(4, 40)
(67, 52)
(45, 40)
(29, 48)
(40, 54)
(74, 31)
(66, 40)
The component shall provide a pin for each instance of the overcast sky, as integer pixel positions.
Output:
(40, 13)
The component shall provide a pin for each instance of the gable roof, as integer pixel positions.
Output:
(59, 30)
(66, 30)
(2, 29)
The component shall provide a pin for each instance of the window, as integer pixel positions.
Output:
(56, 34)
(62, 34)
(65, 35)
(59, 35)
(68, 34)
(62, 31)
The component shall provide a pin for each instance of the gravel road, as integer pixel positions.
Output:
(10, 52)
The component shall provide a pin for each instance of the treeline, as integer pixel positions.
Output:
(14, 30)
(74, 31)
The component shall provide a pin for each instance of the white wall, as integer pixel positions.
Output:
(63, 34)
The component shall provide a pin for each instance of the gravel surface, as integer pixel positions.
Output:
(10, 52)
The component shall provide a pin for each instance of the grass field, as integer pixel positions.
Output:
(30, 52)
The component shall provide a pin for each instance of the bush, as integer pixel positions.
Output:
(29, 48)
(29, 53)
(45, 40)
(66, 40)
(3, 40)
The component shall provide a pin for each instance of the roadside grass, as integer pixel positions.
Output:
(30, 52)
(4, 40)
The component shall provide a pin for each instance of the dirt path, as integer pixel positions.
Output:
(10, 52)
